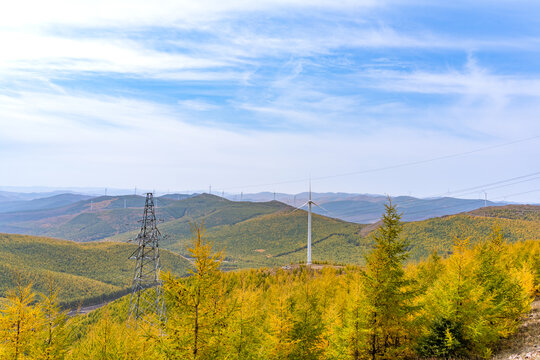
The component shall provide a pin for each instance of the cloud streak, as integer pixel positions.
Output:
(232, 92)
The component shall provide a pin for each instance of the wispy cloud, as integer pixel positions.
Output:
(232, 91)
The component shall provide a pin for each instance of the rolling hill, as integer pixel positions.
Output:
(279, 238)
(257, 234)
(87, 220)
(107, 216)
(83, 272)
(516, 222)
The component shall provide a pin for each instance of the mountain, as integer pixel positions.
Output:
(359, 208)
(27, 196)
(516, 222)
(251, 234)
(83, 272)
(367, 208)
(107, 216)
(269, 238)
(44, 203)
(86, 220)
(257, 234)
(280, 238)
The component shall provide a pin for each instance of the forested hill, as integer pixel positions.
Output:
(82, 272)
(521, 212)
(280, 238)
(106, 216)
(517, 222)
(258, 234)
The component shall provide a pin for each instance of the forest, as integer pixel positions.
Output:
(458, 304)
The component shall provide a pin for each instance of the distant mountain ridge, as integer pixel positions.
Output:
(359, 208)
(50, 202)
(367, 208)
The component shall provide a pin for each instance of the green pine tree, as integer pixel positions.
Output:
(388, 294)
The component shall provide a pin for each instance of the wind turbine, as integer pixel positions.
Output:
(309, 203)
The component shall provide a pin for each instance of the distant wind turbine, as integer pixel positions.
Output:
(309, 203)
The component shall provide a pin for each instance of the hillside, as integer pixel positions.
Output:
(50, 202)
(520, 212)
(82, 271)
(262, 233)
(106, 216)
(280, 238)
(517, 222)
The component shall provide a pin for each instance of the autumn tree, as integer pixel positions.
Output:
(111, 339)
(196, 305)
(52, 339)
(388, 294)
(19, 323)
(455, 307)
(306, 333)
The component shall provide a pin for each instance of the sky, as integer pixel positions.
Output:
(421, 98)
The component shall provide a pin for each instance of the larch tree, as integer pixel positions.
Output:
(196, 305)
(455, 307)
(19, 323)
(306, 333)
(53, 338)
(388, 293)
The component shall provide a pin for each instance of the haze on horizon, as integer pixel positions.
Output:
(258, 96)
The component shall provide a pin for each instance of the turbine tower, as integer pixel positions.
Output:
(309, 203)
(146, 291)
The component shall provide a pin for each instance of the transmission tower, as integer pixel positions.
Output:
(146, 291)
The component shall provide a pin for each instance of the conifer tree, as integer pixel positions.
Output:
(245, 331)
(388, 294)
(196, 305)
(52, 340)
(357, 323)
(456, 306)
(110, 339)
(509, 299)
(19, 322)
(279, 320)
(307, 327)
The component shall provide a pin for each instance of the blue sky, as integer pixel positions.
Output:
(256, 96)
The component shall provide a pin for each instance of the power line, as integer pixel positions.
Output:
(460, 205)
(390, 167)
(524, 178)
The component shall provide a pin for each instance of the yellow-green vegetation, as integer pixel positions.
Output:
(437, 234)
(521, 212)
(87, 272)
(279, 238)
(106, 216)
(264, 234)
(459, 306)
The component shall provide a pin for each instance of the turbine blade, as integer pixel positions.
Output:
(298, 208)
(314, 203)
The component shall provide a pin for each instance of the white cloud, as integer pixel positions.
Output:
(51, 133)
(137, 13)
(197, 105)
(108, 141)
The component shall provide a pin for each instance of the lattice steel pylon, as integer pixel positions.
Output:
(146, 292)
